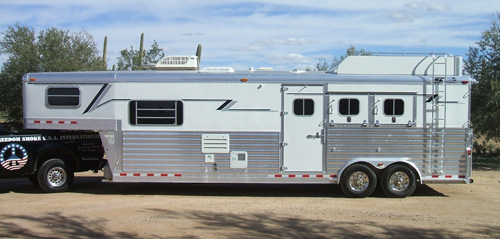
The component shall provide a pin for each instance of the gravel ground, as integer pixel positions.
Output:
(94, 209)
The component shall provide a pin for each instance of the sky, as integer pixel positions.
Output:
(284, 35)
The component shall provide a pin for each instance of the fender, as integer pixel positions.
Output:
(60, 148)
(380, 164)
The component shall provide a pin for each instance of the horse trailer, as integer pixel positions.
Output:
(394, 120)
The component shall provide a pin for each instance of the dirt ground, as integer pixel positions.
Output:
(94, 209)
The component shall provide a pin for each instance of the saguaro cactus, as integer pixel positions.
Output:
(141, 51)
(104, 66)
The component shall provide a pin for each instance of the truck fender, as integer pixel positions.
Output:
(55, 150)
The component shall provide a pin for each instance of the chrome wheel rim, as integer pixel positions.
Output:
(399, 181)
(359, 181)
(56, 177)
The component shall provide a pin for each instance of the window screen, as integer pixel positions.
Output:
(156, 112)
(63, 96)
(303, 107)
(349, 106)
(394, 107)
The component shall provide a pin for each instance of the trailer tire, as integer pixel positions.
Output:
(358, 181)
(55, 176)
(398, 181)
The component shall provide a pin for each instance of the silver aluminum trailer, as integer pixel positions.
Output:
(397, 120)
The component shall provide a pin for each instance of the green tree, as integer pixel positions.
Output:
(131, 59)
(52, 50)
(61, 50)
(322, 65)
(483, 64)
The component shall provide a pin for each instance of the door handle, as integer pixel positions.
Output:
(314, 136)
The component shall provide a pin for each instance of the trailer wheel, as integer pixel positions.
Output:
(398, 181)
(358, 181)
(55, 176)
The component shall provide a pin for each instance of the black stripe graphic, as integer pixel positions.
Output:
(431, 98)
(224, 104)
(95, 98)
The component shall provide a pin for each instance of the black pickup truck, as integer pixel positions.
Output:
(49, 158)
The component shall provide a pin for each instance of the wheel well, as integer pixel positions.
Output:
(379, 171)
(65, 155)
(410, 166)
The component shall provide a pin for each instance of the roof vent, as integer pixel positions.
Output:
(217, 70)
(264, 68)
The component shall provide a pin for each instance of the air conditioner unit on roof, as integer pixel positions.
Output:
(177, 63)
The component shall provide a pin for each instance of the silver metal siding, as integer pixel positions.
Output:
(397, 143)
(180, 152)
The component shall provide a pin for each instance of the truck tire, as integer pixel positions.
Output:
(398, 181)
(358, 181)
(55, 176)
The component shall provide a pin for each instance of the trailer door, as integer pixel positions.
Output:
(394, 109)
(303, 128)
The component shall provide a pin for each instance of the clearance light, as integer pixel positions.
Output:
(465, 82)
(469, 151)
(244, 80)
(32, 79)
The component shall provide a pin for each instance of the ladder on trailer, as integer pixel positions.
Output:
(438, 111)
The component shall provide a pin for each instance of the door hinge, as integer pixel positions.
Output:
(283, 113)
(283, 89)
(283, 144)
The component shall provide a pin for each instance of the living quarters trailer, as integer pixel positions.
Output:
(400, 120)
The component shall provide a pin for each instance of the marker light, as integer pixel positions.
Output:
(32, 79)
(244, 80)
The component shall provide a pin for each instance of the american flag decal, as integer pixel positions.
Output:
(13, 156)
(15, 164)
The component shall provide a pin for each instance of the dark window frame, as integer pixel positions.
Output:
(63, 97)
(156, 112)
(394, 107)
(303, 107)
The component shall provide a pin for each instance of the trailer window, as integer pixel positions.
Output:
(394, 107)
(63, 97)
(156, 112)
(349, 106)
(303, 107)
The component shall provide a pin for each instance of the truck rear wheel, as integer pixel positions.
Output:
(55, 176)
(398, 181)
(358, 181)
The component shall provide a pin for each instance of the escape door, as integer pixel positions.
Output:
(303, 128)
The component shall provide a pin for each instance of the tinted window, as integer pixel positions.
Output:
(156, 112)
(303, 107)
(349, 106)
(58, 96)
(394, 107)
